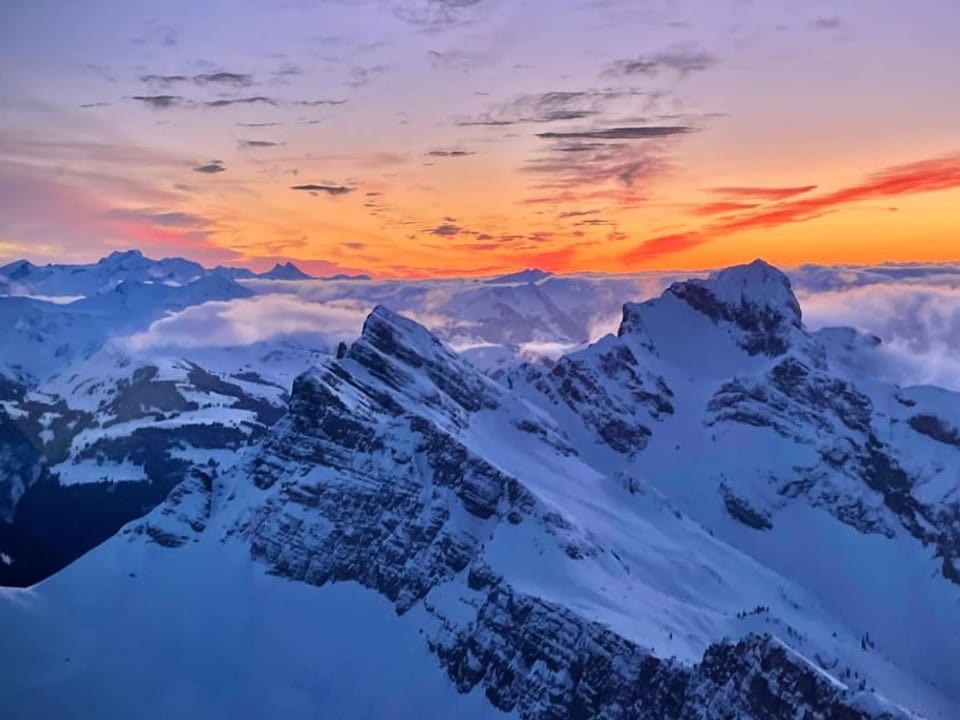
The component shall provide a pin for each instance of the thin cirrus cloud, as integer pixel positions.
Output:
(615, 165)
(254, 144)
(931, 175)
(318, 189)
(763, 193)
(211, 168)
(553, 107)
(449, 153)
(619, 133)
(682, 62)
(216, 78)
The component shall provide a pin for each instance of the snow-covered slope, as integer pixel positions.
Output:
(107, 440)
(768, 436)
(414, 537)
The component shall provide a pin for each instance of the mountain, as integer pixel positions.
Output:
(105, 444)
(530, 275)
(707, 515)
(70, 281)
(42, 338)
(286, 271)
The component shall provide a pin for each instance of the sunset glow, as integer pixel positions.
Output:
(412, 138)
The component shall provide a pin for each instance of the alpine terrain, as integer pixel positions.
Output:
(712, 513)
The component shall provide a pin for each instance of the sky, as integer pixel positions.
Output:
(424, 138)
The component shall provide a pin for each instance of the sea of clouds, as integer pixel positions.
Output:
(913, 309)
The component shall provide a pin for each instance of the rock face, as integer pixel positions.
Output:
(756, 298)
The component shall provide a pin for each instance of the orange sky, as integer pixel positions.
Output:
(427, 137)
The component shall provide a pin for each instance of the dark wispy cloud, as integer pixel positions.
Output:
(257, 124)
(253, 144)
(577, 213)
(95, 105)
(614, 164)
(213, 78)
(449, 153)
(319, 103)
(445, 229)
(360, 75)
(827, 23)
(619, 133)
(250, 100)
(558, 106)
(162, 102)
(163, 80)
(682, 62)
(317, 189)
(226, 78)
(211, 168)
(434, 15)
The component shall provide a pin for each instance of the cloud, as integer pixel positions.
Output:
(931, 175)
(576, 213)
(211, 168)
(360, 76)
(163, 80)
(95, 105)
(619, 133)
(216, 78)
(449, 153)
(557, 106)
(721, 208)
(918, 323)
(446, 230)
(252, 100)
(257, 124)
(319, 103)
(163, 219)
(252, 144)
(435, 15)
(682, 62)
(332, 190)
(827, 23)
(763, 193)
(228, 78)
(240, 323)
(617, 170)
(162, 102)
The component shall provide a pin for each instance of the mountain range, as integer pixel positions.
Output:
(711, 511)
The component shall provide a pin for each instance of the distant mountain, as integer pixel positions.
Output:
(530, 275)
(708, 514)
(59, 281)
(286, 271)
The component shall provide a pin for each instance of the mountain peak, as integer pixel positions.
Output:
(118, 256)
(286, 271)
(529, 275)
(398, 336)
(756, 297)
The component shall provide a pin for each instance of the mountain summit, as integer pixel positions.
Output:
(285, 271)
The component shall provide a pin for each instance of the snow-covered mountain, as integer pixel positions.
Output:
(285, 271)
(711, 514)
